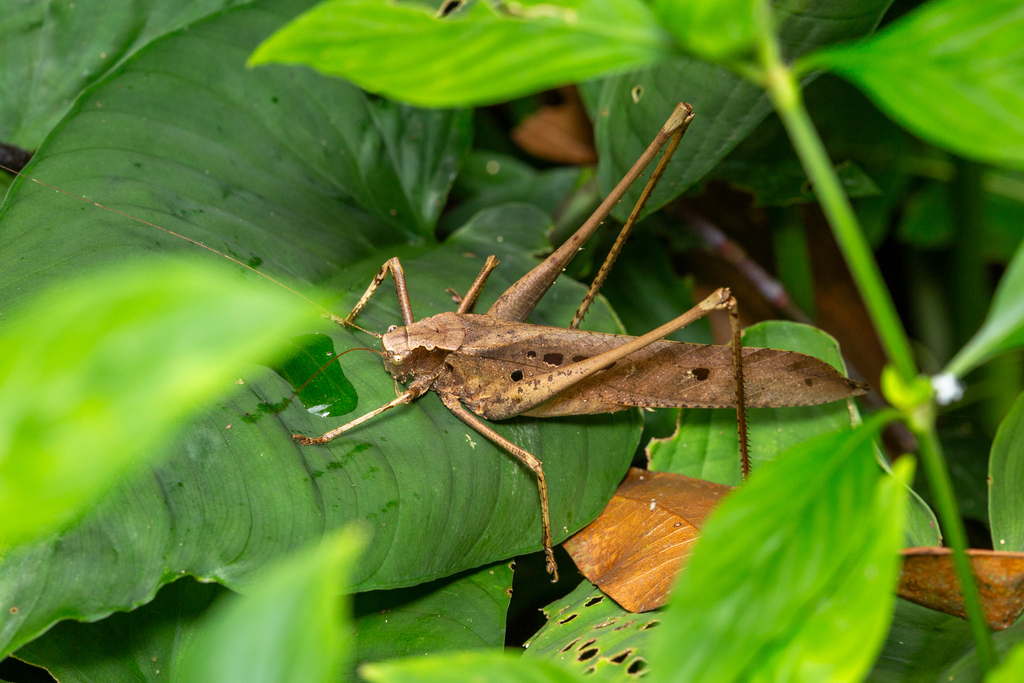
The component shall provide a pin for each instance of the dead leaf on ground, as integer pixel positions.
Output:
(561, 133)
(635, 548)
(930, 580)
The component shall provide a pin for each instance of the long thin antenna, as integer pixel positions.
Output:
(328, 313)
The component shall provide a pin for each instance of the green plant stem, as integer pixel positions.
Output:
(785, 94)
(784, 90)
(956, 536)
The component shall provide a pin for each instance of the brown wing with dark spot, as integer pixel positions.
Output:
(500, 364)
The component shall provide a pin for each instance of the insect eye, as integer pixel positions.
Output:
(396, 360)
(392, 328)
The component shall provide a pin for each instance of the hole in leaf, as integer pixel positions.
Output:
(621, 657)
(649, 624)
(593, 601)
(701, 373)
(569, 646)
(517, 375)
(531, 354)
(568, 618)
(587, 644)
(553, 358)
(587, 654)
(577, 359)
(638, 665)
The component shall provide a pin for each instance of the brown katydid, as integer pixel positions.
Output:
(497, 366)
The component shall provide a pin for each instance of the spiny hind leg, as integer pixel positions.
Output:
(453, 404)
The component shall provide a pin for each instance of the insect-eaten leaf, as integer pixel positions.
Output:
(636, 547)
(929, 579)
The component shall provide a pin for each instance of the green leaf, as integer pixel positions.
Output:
(490, 666)
(590, 634)
(966, 669)
(294, 625)
(1005, 479)
(713, 31)
(1003, 329)
(480, 55)
(1009, 669)
(312, 181)
(951, 72)
(463, 612)
(630, 108)
(95, 375)
(54, 51)
(144, 646)
(794, 573)
(921, 643)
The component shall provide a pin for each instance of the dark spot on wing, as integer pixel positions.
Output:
(577, 359)
(553, 358)
(531, 354)
(809, 382)
(517, 375)
(701, 373)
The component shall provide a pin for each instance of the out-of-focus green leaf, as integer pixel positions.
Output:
(468, 667)
(1009, 670)
(97, 373)
(587, 632)
(480, 55)
(952, 72)
(927, 221)
(1003, 328)
(713, 31)
(794, 573)
(1006, 482)
(293, 626)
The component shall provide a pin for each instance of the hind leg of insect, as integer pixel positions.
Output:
(457, 409)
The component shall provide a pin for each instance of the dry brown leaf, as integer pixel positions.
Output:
(559, 132)
(929, 579)
(635, 548)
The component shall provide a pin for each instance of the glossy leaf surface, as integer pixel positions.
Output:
(305, 178)
(1006, 482)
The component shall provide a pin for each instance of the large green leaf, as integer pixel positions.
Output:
(967, 670)
(143, 646)
(1005, 479)
(308, 179)
(793, 576)
(95, 376)
(53, 50)
(952, 72)
(480, 55)
(632, 107)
